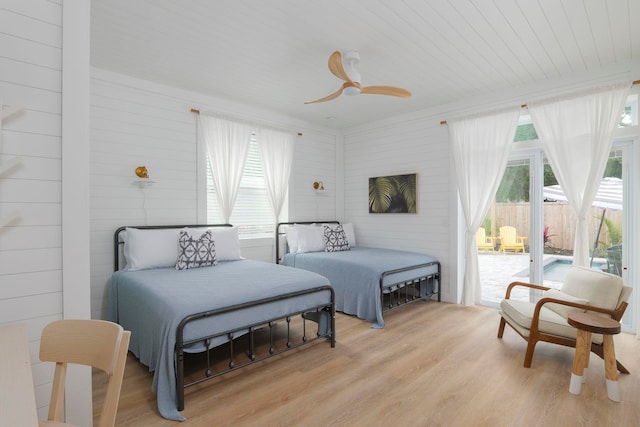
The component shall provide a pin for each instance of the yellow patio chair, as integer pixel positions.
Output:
(485, 243)
(509, 239)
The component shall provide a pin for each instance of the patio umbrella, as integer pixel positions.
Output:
(609, 196)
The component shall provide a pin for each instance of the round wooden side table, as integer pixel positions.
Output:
(586, 324)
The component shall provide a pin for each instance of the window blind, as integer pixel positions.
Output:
(252, 213)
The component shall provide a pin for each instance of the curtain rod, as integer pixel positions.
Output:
(633, 83)
(196, 111)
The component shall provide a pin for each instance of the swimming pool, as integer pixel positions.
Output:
(557, 269)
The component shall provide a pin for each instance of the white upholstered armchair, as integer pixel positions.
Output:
(584, 289)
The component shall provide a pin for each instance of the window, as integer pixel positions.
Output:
(629, 117)
(630, 113)
(252, 213)
(525, 130)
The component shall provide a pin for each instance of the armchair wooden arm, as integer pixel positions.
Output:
(586, 307)
(523, 284)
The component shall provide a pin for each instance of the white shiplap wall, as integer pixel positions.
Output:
(31, 247)
(136, 122)
(401, 146)
(133, 124)
(317, 157)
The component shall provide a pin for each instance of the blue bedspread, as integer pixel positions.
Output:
(151, 304)
(355, 276)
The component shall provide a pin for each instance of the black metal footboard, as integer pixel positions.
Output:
(407, 291)
(313, 314)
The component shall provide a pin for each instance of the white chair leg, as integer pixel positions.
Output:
(613, 390)
(610, 369)
(576, 383)
(580, 361)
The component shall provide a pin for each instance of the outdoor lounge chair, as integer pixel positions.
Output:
(509, 240)
(485, 243)
(614, 260)
(584, 289)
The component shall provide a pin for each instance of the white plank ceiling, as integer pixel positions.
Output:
(273, 54)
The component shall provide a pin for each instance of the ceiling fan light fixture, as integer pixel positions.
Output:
(351, 90)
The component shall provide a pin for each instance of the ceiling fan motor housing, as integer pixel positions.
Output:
(350, 59)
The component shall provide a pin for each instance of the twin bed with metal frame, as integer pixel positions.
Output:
(173, 312)
(367, 281)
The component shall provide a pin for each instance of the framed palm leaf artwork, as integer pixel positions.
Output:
(393, 194)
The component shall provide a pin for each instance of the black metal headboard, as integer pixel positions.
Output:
(118, 243)
(280, 232)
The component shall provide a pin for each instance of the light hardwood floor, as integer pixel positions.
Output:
(434, 364)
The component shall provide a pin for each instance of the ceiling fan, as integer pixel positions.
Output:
(351, 76)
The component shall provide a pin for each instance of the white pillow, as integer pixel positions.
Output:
(151, 248)
(563, 310)
(291, 234)
(310, 238)
(227, 243)
(348, 231)
(226, 240)
(602, 289)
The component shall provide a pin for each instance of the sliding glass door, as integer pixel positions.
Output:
(514, 223)
(537, 244)
(510, 228)
(530, 206)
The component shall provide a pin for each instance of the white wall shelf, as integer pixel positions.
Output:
(143, 183)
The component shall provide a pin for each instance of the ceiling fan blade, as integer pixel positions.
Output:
(334, 95)
(335, 66)
(386, 90)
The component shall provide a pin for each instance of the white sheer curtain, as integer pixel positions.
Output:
(480, 146)
(227, 145)
(276, 153)
(576, 135)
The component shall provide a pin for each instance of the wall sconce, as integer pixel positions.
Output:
(143, 174)
(318, 185)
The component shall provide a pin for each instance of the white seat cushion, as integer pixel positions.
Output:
(549, 322)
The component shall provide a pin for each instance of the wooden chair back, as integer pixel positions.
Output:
(509, 239)
(508, 235)
(482, 241)
(96, 343)
(481, 236)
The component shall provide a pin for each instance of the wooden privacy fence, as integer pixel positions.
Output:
(560, 219)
